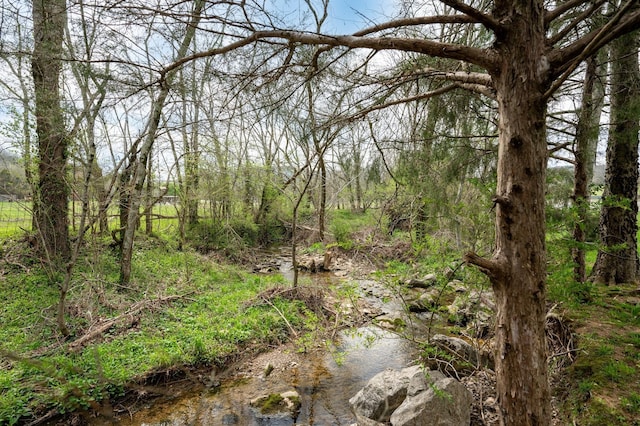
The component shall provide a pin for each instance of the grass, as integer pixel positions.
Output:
(15, 218)
(198, 313)
(601, 387)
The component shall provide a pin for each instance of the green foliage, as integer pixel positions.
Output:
(198, 313)
(631, 403)
(210, 235)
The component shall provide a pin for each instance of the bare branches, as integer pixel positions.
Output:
(568, 59)
(486, 20)
(481, 57)
(418, 97)
(412, 22)
(562, 9)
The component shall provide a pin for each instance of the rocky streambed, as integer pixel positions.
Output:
(367, 375)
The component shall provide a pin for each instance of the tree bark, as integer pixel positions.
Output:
(517, 270)
(617, 260)
(50, 205)
(585, 155)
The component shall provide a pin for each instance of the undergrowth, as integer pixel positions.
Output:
(186, 310)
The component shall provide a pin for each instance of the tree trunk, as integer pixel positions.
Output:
(50, 206)
(137, 169)
(585, 154)
(149, 201)
(322, 207)
(517, 270)
(617, 260)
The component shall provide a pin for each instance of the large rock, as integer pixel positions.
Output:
(464, 351)
(382, 394)
(445, 403)
(425, 282)
(412, 397)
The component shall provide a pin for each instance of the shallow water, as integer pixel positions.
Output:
(325, 380)
(325, 383)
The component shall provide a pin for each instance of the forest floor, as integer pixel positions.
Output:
(189, 313)
(602, 386)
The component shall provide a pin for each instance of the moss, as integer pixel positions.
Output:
(271, 404)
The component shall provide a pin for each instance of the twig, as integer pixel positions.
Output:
(293, 331)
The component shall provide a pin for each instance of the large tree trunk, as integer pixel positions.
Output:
(50, 205)
(617, 260)
(517, 270)
(585, 154)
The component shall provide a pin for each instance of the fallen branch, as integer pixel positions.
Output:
(127, 319)
(293, 330)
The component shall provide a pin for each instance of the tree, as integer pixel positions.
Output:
(617, 260)
(140, 159)
(587, 130)
(50, 203)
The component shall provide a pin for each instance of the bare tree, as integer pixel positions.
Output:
(139, 165)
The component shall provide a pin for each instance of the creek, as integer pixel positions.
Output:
(324, 378)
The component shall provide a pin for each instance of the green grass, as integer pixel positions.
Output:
(602, 386)
(211, 318)
(14, 218)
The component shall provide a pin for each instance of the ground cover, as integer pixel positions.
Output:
(184, 311)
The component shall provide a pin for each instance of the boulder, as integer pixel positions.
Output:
(444, 403)
(475, 310)
(412, 397)
(463, 350)
(424, 282)
(382, 394)
(424, 301)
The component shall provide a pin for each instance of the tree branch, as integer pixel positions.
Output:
(486, 20)
(566, 30)
(482, 57)
(460, 76)
(567, 59)
(412, 22)
(486, 266)
(418, 97)
(562, 9)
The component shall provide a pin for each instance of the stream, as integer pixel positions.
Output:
(324, 378)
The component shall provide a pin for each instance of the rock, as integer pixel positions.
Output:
(463, 350)
(280, 409)
(382, 394)
(424, 282)
(424, 301)
(445, 403)
(475, 311)
(457, 286)
(412, 397)
(317, 263)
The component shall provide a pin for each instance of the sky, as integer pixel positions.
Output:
(345, 16)
(348, 16)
